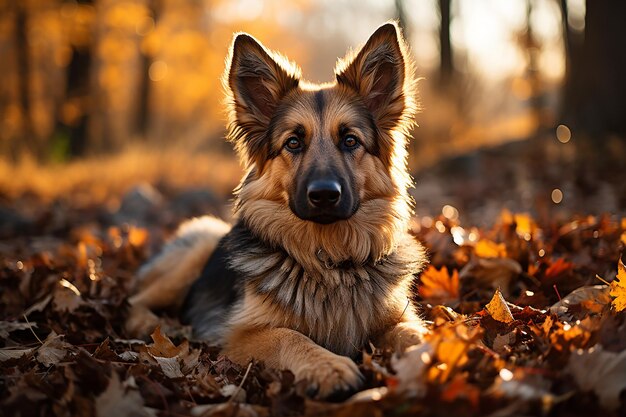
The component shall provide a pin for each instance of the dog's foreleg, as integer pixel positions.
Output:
(326, 372)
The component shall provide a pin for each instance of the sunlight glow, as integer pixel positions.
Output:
(450, 212)
(563, 134)
(158, 71)
(505, 374)
(458, 235)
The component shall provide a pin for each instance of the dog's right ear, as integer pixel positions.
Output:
(256, 80)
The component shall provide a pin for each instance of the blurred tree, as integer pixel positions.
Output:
(594, 96)
(446, 64)
(73, 120)
(23, 70)
(400, 15)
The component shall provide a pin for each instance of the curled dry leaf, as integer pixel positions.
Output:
(498, 309)
(590, 299)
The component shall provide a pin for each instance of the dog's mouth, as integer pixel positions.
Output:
(326, 217)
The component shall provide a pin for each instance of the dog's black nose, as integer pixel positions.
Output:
(324, 193)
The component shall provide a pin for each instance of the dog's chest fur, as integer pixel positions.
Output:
(340, 307)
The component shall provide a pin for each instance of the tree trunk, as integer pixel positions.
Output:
(23, 65)
(595, 90)
(446, 65)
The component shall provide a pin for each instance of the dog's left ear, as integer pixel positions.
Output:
(378, 72)
(256, 80)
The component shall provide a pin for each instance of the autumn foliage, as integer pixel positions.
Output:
(525, 318)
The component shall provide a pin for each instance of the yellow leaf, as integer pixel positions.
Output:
(498, 309)
(618, 287)
(489, 249)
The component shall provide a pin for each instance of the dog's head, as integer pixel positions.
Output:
(322, 153)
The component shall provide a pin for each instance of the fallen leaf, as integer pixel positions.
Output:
(498, 309)
(494, 273)
(117, 401)
(591, 299)
(486, 248)
(560, 266)
(601, 372)
(163, 346)
(451, 342)
(411, 367)
(502, 341)
(53, 350)
(438, 286)
(6, 327)
(618, 287)
(11, 353)
(459, 388)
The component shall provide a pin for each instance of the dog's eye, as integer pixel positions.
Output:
(293, 144)
(350, 142)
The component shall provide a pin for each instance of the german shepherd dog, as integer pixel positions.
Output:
(319, 261)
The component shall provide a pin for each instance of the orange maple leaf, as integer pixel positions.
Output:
(438, 285)
(618, 287)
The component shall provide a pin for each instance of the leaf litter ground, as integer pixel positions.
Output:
(525, 318)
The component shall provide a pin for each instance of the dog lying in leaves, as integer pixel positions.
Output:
(319, 262)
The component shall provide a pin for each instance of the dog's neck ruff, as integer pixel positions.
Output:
(256, 258)
(334, 304)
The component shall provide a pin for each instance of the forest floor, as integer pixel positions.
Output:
(525, 297)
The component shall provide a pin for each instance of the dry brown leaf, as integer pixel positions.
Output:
(498, 309)
(170, 366)
(492, 272)
(53, 350)
(64, 299)
(12, 353)
(503, 341)
(117, 401)
(591, 298)
(6, 327)
(163, 346)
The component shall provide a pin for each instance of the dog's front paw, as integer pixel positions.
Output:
(331, 376)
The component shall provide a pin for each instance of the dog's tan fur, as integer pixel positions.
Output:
(314, 292)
